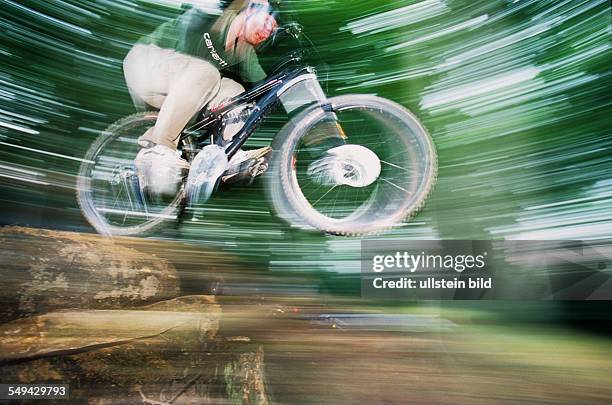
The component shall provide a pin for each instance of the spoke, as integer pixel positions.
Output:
(135, 213)
(396, 186)
(127, 191)
(117, 197)
(335, 201)
(394, 165)
(328, 191)
(312, 191)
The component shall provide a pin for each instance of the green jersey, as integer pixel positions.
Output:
(199, 34)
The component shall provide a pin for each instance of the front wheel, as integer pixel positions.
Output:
(385, 134)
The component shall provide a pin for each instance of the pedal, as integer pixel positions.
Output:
(249, 169)
(258, 169)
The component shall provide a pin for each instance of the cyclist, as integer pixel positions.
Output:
(181, 67)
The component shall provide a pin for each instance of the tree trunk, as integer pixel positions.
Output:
(47, 270)
(165, 353)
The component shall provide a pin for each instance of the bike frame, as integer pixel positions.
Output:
(265, 96)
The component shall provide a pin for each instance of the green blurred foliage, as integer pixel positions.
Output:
(514, 93)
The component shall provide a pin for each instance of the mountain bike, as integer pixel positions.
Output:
(393, 139)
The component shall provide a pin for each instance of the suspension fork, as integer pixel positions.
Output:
(328, 132)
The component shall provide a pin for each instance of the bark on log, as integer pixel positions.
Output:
(45, 270)
(163, 353)
(245, 380)
(192, 319)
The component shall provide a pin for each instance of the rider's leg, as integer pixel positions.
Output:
(242, 163)
(145, 70)
(179, 85)
(228, 89)
(188, 92)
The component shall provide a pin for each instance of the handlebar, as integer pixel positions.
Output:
(305, 46)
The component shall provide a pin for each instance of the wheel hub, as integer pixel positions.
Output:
(122, 174)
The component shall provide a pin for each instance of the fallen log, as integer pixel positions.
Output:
(194, 319)
(44, 270)
(164, 353)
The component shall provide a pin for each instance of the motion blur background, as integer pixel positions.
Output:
(516, 95)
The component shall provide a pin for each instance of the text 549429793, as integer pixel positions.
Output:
(34, 391)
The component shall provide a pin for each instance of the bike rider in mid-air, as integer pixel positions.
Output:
(347, 165)
(184, 65)
(191, 62)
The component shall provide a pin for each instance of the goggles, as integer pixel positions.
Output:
(264, 6)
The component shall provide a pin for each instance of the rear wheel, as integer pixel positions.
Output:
(107, 185)
(408, 168)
